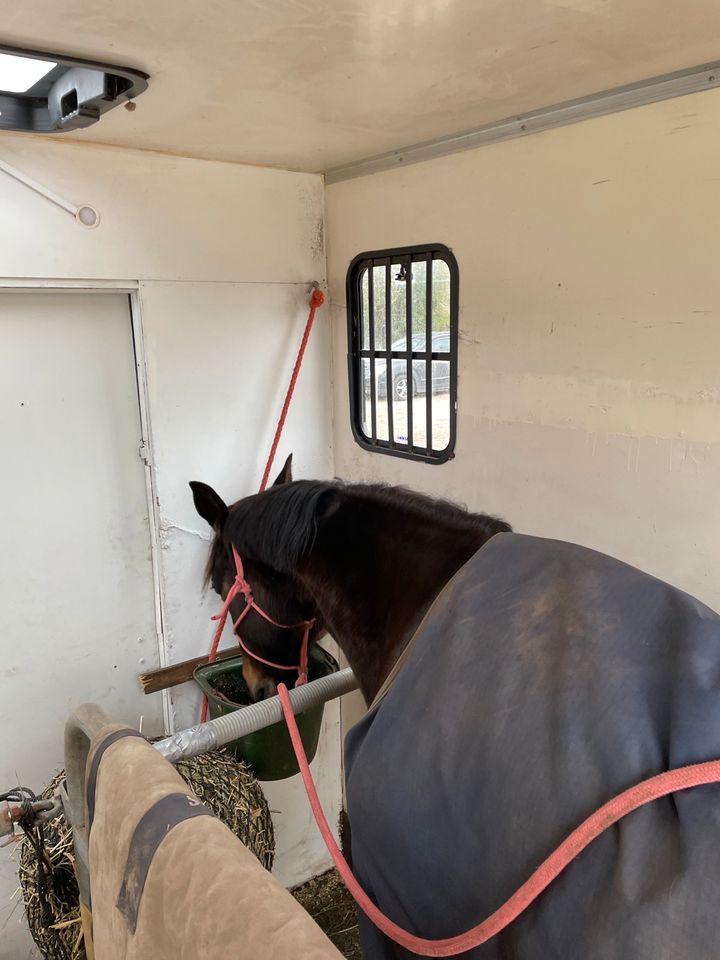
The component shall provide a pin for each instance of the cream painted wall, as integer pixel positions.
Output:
(589, 368)
(589, 384)
(223, 254)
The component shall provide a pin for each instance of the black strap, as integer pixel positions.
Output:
(150, 832)
(91, 785)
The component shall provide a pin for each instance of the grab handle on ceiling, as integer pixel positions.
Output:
(85, 214)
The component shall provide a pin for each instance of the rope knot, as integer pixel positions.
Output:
(243, 587)
(317, 299)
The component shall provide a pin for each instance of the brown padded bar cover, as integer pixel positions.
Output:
(204, 894)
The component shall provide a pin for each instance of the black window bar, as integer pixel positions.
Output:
(389, 374)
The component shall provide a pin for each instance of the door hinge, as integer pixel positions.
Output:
(144, 452)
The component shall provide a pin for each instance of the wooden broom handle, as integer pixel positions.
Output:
(155, 680)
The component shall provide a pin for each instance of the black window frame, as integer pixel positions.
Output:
(405, 256)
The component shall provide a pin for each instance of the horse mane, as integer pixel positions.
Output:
(279, 527)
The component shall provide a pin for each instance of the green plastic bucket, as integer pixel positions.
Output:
(268, 752)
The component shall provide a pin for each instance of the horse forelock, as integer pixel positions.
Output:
(277, 527)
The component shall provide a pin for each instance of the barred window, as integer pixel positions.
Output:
(402, 337)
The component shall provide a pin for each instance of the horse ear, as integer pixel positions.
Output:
(328, 504)
(209, 505)
(285, 475)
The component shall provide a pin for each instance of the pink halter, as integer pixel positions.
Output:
(240, 585)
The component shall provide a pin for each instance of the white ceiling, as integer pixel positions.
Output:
(311, 84)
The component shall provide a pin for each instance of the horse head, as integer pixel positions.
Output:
(275, 626)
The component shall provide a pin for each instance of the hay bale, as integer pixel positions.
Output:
(229, 789)
(223, 784)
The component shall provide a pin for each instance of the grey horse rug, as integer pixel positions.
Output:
(545, 679)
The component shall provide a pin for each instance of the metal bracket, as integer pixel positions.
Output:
(10, 814)
(664, 87)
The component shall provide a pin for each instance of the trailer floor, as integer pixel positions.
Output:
(330, 905)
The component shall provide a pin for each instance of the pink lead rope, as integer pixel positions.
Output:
(682, 778)
(240, 584)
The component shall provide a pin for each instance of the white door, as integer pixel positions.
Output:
(77, 606)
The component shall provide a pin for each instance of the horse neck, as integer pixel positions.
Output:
(374, 582)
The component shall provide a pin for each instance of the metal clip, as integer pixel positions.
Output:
(47, 810)
(40, 811)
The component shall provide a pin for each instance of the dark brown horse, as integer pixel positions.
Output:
(365, 560)
(542, 679)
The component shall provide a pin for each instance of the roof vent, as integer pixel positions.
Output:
(47, 93)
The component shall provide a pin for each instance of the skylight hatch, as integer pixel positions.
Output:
(20, 74)
(47, 93)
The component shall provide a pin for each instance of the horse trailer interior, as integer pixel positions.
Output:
(541, 177)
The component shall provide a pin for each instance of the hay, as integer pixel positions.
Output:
(229, 789)
(329, 903)
(225, 785)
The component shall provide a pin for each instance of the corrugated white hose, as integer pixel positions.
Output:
(205, 737)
